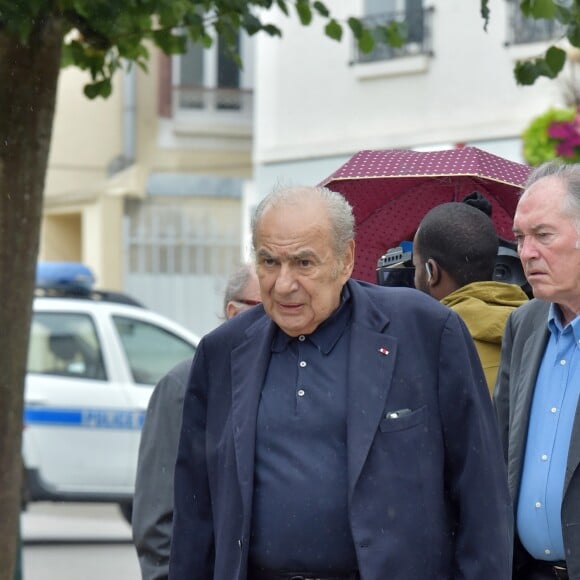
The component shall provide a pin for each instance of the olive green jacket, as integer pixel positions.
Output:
(485, 307)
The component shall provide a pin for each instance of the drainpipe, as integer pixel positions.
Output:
(129, 115)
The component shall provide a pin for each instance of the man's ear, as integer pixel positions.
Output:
(231, 310)
(433, 272)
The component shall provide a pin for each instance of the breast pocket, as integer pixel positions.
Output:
(403, 419)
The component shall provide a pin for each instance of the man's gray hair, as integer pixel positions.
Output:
(569, 174)
(339, 212)
(237, 283)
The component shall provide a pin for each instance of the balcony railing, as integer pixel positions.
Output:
(217, 101)
(418, 25)
(522, 30)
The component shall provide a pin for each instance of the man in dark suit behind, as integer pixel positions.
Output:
(536, 394)
(340, 431)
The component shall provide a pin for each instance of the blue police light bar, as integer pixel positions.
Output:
(66, 277)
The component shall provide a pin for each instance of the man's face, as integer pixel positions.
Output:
(300, 277)
(547, 240)
(250, 296)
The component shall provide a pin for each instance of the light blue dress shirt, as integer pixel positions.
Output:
(539, 523)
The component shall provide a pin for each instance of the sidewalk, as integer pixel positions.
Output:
(71, 522)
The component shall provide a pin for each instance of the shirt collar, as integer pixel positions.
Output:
(327, 333)
(555, 323)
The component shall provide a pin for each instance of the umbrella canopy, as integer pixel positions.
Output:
(392, 190)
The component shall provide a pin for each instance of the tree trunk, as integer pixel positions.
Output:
(28, 81)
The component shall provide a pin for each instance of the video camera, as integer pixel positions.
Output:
(395, 268)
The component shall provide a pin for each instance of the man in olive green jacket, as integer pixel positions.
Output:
(454, 253)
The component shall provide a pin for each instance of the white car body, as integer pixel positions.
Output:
(83, 414)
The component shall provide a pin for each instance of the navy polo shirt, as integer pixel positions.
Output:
(300, 509)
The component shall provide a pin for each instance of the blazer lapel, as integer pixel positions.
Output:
(372, 362)
(368, 384)
(533, 350)
(249, 365)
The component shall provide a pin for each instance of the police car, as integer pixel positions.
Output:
(93, 360)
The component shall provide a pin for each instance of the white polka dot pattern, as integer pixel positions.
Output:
(392, 190)
(461, 161)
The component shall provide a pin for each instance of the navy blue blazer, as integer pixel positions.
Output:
(427, 493)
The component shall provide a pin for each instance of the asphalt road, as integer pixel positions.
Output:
(77, 541)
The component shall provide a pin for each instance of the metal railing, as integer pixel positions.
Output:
(418, 39)
(522, 30)
(214, 100)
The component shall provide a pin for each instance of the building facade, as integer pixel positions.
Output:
(147, 187)
(450, 84)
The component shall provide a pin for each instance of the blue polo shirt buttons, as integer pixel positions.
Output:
(302, 363)
(301, 338)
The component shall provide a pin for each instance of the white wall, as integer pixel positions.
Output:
(313, 108)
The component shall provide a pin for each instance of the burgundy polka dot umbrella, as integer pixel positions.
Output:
(392, 190)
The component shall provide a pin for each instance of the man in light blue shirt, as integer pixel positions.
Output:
(536, 393)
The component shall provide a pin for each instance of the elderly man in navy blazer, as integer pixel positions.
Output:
(340, 431)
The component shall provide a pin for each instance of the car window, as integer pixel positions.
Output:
(65, 344)
(151, 350)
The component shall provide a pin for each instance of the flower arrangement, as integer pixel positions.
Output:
(554, 134)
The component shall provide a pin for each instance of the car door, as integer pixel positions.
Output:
(78, 422)
(151, 347)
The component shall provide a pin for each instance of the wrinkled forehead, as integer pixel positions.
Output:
(545, 196)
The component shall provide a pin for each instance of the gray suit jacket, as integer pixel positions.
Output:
(524, 343)
(153, 500)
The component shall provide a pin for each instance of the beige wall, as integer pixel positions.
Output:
(84, 205)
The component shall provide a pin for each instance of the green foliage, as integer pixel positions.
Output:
(395, 34)
(333, 30)
(549, 65)
(304, 12)
(538, 8)
(528, 71)
(484, 10)
(538, 146)
(104, 35)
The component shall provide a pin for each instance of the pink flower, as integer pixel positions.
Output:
(568, 133)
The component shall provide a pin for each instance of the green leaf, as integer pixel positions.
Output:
(272, 30)
(538, 9)
(356, 27)
(99, 89)
(321, 9)
(72, 54)
(484, 9)
(206, 40)
(251, 24)
(304, 12)
(528, 71)
(394, 33)
(333, 30)
(555, 60)
(170, 43)
(573, 34)
(282, 5)
(366, 42)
